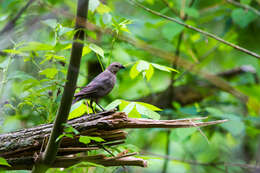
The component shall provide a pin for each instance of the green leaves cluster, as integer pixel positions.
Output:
(135, 109)
(147, 69)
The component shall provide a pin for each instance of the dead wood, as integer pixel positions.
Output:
(22, 147)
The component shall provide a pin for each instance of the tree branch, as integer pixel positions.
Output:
(9, 26)
(25, 163)
(197, 30)
(20, 147)
(49, 154)
(246, 7)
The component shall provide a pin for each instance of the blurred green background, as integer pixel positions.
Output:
(34, 59)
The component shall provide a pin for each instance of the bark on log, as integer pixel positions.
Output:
(21, 147)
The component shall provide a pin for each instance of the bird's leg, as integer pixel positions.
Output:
(100, 107)
(87, 105)
(91, 106)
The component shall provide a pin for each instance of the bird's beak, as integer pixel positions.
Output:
(122, 67)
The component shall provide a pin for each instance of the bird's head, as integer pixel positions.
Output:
(115, 67)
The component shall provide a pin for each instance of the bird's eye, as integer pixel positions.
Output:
(116, 65)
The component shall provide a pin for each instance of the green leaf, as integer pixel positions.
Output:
(50, 22)
(183, 133)
(84, 139)
(96, 138)
(170, 30)
(134, 72)
(97, 49)
(69, 135)
(214, 111)
(149, 72)
(86, 164)
(5, 63)
(78, 109)
(4, 162)
(129, 108)
(12, 51)
(86, 50)
(88, 139)
(64, 30)
(192, 12)
(102, 9)
(145, 111)
(36, 46)
(70, 129)
(93, 4)
(49, 72)
(134, 113)
(242, 17)
(245, 2)
(106, 18)
(113, 104)
(164, 68)
(59, 137)
(19, 75)
(142, 65)
(149, 106)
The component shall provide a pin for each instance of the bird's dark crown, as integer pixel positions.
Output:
(115, 67)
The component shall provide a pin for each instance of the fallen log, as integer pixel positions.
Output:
(21, 148)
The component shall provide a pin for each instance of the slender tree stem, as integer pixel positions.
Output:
(197, 30)
(49, 155)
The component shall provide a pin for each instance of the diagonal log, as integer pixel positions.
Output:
(21, 147)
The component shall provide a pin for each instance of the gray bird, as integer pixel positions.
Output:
(100, 86)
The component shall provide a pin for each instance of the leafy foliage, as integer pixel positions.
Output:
(34, 62)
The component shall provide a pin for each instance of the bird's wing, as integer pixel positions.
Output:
(94, 86)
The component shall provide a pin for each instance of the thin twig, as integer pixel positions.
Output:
(246, 7)
(194, 162)
(9, 26)
(197, 30)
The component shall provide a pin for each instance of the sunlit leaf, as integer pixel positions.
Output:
(101, 9)
(113, 104)
(86, 164)
(50, 22)
(97, 49)
(164, 68)
(84, 139)
(59, 137)
(149, 113)
(134, 72)
(35, 46)
(5, 63)
(49, 72)
(86, 50)
(149, 106)
(93, 4)
(129, 108)
(78, 109)
(12, 51)
(149, 72)
(88, 139)
(19, 75)
(106, 18)
(4, 162)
